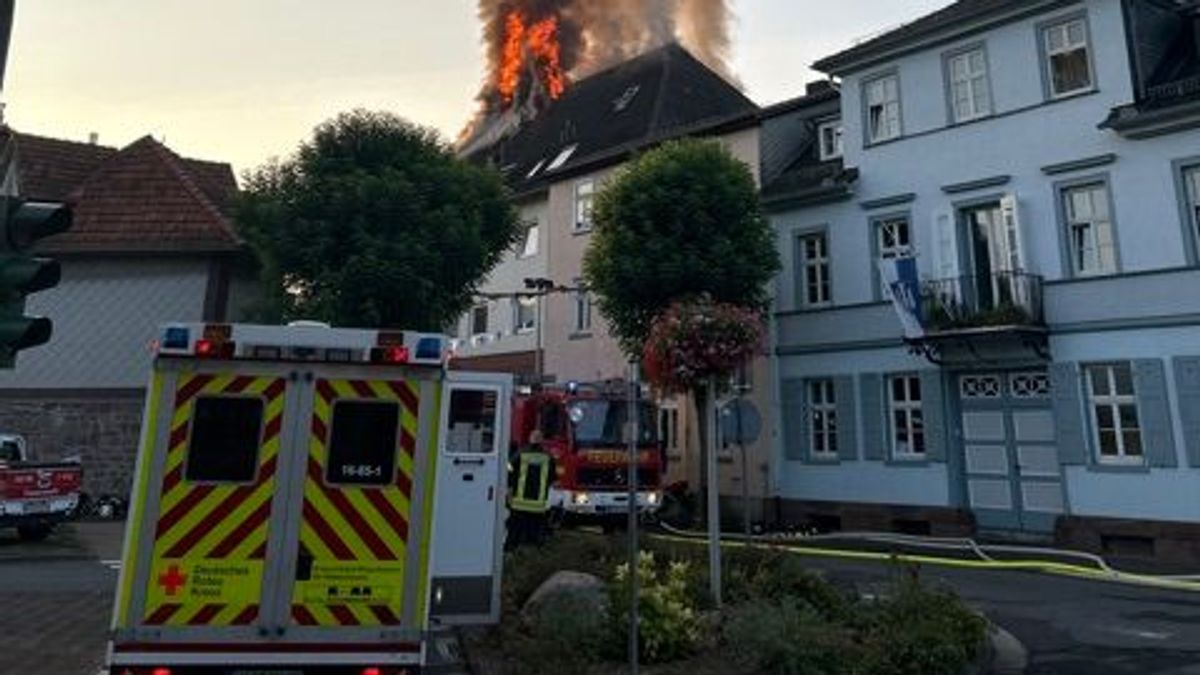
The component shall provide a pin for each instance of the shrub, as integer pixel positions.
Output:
(786, 637)
(670, 627)
(919, 631)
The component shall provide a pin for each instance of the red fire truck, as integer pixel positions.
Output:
(583, 428)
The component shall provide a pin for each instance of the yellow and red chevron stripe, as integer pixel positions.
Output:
(367, 525)
(211, 522)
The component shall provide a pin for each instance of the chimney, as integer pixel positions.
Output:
(93, 138)
(818, 87)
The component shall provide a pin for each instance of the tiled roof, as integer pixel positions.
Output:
(662, 94)
(946, 18)
(141, 198)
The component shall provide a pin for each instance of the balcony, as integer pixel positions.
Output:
(983, 318)
(998, 300)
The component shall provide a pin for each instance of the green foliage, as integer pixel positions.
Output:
(786, 637)
(682, 221)
(918, 631)
(527, 568)
(670, 627)
(374, 222)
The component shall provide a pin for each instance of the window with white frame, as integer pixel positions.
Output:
(1068, 58)
(1116, 430)
(583, 308)
(529, 246)
(907, 425)
(893, 239)
(479, 320)
(822, 408)
(829, 136)
(883, 108)
(1191, 180)
(525, 315)
(970, 92)
(1091, 239)
(585, 194)
(814, 270)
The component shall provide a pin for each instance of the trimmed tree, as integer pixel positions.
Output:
(375, 222)
(681, 242)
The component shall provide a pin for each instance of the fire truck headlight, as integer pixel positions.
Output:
(653, 498)
(580, 499)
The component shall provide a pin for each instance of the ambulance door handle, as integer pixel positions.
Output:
(458, 461)
(491, 493)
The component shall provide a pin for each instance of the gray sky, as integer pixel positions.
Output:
(244, 80)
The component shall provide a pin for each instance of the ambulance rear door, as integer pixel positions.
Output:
(358, 553)
(469, 520)
(206, 523)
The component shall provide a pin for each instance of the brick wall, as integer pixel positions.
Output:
(102, 428)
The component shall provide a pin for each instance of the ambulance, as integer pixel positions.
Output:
(309, 500)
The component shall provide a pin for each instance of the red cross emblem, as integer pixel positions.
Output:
(173, 580)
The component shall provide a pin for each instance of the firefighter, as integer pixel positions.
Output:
(529, 476)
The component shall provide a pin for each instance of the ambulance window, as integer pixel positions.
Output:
(362, 449)
(472, 422)
(224, 445)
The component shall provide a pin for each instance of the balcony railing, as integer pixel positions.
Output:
(1000, 299)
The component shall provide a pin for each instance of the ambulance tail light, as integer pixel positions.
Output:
(393, 354)
(161, 671)
(213, 349)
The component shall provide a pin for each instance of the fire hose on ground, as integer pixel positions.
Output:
(984, 556)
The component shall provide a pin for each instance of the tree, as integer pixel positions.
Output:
(682, 221)
(374, 222)
(681, 246)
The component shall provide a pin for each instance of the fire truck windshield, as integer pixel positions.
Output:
(600, 423)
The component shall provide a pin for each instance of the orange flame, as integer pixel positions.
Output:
(543, 43)
(513, 58)
(539, 44)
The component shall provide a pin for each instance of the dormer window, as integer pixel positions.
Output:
(829, 139)
(622, 102)
(536, 168)
(562, 158)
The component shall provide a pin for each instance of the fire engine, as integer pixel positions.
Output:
(584, 428)
(309, 500)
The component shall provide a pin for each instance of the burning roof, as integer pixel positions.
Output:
(659, 95)
(536, 48)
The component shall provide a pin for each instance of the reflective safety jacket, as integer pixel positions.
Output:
(532, 494)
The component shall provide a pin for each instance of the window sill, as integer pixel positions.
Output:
(1119, 467)
(867, 145)
(814, 308)
(1058, 98)
(580, 336)
(524, 331)
(910, 463)
(823, 461)
(581, 231)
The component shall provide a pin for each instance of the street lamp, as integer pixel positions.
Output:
(540, 286)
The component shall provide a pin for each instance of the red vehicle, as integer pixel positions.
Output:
(34, 497)
(583, 428)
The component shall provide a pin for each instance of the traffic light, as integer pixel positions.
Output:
(25, 222)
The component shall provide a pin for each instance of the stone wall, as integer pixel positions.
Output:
(102, 428)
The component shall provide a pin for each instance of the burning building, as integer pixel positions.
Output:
(571, 96)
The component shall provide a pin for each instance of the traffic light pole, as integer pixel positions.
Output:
(7, 8)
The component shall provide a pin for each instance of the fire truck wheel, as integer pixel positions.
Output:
(33, 532)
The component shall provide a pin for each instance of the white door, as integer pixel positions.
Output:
(468, 518)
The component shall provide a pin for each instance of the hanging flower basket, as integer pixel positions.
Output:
(699, 338)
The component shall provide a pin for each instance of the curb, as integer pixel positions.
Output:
(1009, 656)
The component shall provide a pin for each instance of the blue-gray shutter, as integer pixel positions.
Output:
(871, 393)
(1154, 413)
(1066, 390)
(795, 420)
(847, 424)
(933, 412)
(1187, 384)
